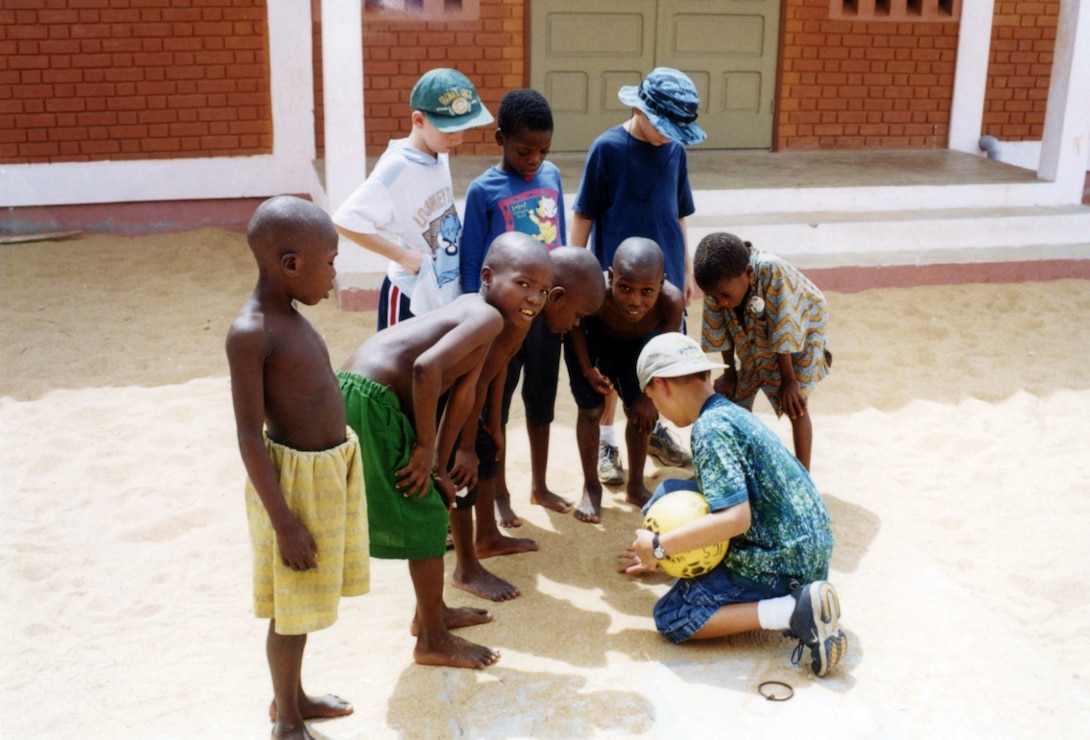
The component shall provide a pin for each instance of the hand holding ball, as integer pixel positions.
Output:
(672, 511)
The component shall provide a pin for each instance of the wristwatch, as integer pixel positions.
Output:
(656, 549)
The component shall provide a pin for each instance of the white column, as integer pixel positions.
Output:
(1064, 145)
(342, 96)
(971, 75)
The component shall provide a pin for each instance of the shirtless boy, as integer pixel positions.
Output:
(392, 387)
(304, 502)
(639, 304)
(577, 291)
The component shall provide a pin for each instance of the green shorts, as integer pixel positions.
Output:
(400, 528)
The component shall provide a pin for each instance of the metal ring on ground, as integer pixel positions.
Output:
(774, 695)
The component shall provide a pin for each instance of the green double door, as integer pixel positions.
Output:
(583, 51)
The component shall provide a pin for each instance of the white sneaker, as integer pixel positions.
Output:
(610, 470)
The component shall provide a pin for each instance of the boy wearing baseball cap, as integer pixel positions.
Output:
(760, 498)
(405, 209)
(636, 183)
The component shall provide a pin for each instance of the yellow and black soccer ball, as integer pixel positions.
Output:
(672, 511)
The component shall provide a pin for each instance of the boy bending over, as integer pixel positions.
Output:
(392, 387)
(304, 497)
(773, 318)
(639, 304)
(761, 499)
(577, 291)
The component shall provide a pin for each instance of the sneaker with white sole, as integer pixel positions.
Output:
(666, 449)
(815, 624)
(610, 470)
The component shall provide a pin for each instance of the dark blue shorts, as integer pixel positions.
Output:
(393, 305)
(614, 358)
(538, 362)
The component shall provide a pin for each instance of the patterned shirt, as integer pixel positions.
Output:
(782, 313)
(737, 458)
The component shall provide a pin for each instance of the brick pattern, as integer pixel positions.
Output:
(84, 80)
(863, 85)
(490, 50)
(1020, 68)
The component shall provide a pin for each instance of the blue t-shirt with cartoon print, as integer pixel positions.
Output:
(498, 202)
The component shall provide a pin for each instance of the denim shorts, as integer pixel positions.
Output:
(691, 602)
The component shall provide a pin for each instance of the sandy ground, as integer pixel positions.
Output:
(950, 445)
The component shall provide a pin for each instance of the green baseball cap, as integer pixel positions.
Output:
(449, 100)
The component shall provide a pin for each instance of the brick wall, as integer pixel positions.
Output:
(863, 85)
(88, 80)
(489, 50)
(1020, 68)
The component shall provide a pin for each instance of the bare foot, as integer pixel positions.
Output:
(463, 616)
(550, 501)
(291, 732)
(500, 545)
(637, 495)
(455, 652)
(485, 584)
(505, 515)
(590, 508)
(318, 707)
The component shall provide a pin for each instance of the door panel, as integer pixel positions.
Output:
(583, 51)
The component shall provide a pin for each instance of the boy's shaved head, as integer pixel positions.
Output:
(719, 255)
(637, 254)
(515, 249)
(577, 271)
(285, 224)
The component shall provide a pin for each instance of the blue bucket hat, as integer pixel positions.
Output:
(669, 100)
(449, 100)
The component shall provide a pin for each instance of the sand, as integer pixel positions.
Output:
(950, 445)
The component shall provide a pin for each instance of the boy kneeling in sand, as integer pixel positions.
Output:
(392, 387)
(761, 498)
(308, 519)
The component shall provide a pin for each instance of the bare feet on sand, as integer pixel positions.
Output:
(590, 508)
(505, 515)
(484, 584)
(463, 616)
(550, 501)
(454, 651)
(318, 707)
(500, 545)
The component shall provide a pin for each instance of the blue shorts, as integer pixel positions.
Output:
(614, 358)
(691, 602)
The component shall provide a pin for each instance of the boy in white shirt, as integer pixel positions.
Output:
(405, 209)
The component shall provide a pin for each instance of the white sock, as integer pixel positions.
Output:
(606, 437)
(775, 614)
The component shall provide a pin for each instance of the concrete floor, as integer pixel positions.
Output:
(749, 169)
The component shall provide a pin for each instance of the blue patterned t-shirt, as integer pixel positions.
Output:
(737, 458)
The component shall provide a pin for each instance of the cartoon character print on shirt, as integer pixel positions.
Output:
(443, 234)
(534, 212)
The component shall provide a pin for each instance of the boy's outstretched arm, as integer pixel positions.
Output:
(409, 259)
(579, 236)
(471, 336)
(246, 350)
(727, 383)
(707, 530)
(578, 343)
(792, 401)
